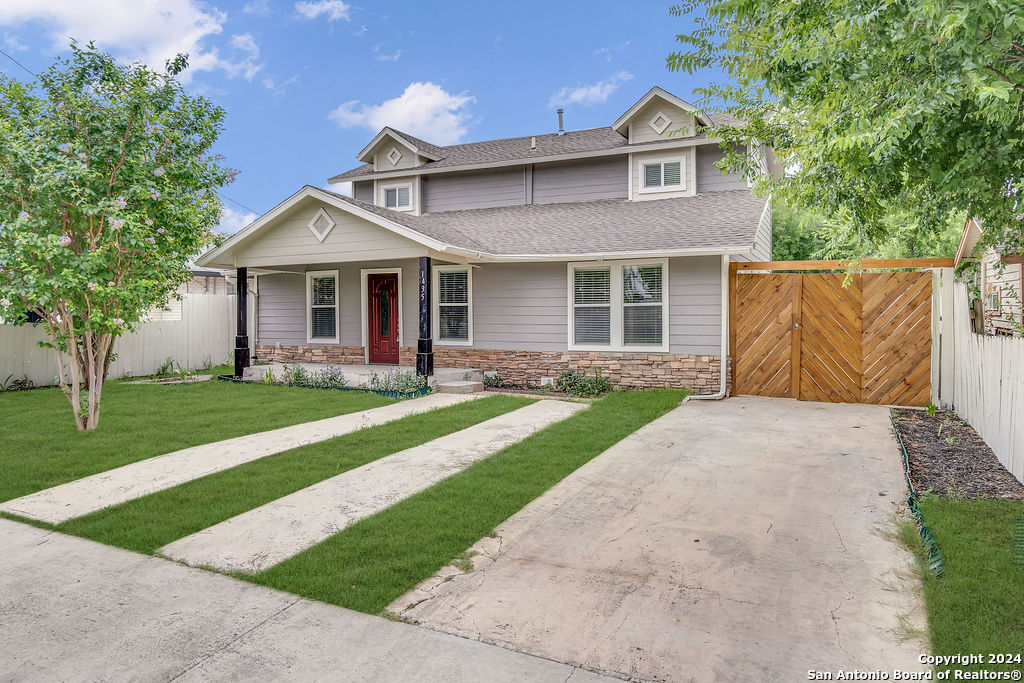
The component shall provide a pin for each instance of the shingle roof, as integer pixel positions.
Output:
(715, 220)
(510, 149)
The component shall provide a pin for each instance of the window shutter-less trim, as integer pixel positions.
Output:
(322, 301)
(620, 306)
(453, 308)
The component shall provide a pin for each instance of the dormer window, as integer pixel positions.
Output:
(398, 197)
(394, 156)
(662, 175)
(659, 123)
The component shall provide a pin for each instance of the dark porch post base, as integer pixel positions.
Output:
(242, 336)
(425, 345)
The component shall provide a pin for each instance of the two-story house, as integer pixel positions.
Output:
(603, 247)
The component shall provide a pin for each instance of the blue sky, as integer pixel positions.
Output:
(306, 84)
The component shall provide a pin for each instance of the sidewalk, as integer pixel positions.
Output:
(77, 610)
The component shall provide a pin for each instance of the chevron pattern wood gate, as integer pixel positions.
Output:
(806, 336)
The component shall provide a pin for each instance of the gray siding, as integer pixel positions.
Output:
(474, 190)
(520, 306)
(282, 304)
(282, 309)
(516, 306)
(363, 191)
(575, 181)
(709, 178)
(695, 305)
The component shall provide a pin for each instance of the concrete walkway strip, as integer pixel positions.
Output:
(267, 535)
(83, 496)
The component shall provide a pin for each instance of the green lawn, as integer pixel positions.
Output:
(40, 446)
(977, 605)
(375, 561)
(150, 522)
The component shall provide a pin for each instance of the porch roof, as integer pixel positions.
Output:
(712, 223)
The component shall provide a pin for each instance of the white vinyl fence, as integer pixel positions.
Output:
(204, 335)
(982, 378)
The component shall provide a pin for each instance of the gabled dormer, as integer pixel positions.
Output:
(392, 150)
(659, 116)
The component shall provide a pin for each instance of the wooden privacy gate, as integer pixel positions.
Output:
(803, 335)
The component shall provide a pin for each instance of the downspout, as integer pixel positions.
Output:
(723, 362)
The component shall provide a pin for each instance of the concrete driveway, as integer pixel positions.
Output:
(731, 540)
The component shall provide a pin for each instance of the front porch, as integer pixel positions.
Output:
(359, 375)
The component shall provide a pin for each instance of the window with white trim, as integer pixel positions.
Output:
(662, 175)
(619, 305)
(398, 197)
(322, 306)
(453, 305)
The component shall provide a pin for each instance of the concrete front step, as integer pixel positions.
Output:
(460, 387)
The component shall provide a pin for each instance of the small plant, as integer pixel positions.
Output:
(269, 377)
(581, 384)
(932, 409)
(326, 378)
(494, 381)
(400, 381)
(465, 377)
(21, 384)
(167, 368)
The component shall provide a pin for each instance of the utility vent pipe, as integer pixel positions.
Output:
(533, 143)
(561, 121)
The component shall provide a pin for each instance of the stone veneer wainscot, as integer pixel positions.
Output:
(636, 370)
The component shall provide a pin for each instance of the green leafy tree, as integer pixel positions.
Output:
(873, 107)
(795, 235)
(105, 192)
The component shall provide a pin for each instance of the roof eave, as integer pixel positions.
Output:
(388, 131)
(622, 122)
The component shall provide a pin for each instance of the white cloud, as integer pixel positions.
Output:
(595, 93)
(425, 110)
(384, 56)
(344, 188)
(248, 67)
(260, 7)
(332, 9)
(278, 87)
(150, 31)
(13, 44)
(233, 220)
(608, 51)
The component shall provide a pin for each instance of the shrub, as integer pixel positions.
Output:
(325, 378)
(494, 380)
(581, 384)
(401, 381)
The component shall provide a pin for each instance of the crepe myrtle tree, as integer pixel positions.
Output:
(872, 107)
(106, 191)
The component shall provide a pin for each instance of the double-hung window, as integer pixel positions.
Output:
(453, 305)
(398, 197)
(322, 306)
(619, 305)
(662, 175)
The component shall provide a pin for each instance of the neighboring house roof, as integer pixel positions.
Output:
(968, 241)
(718, 222)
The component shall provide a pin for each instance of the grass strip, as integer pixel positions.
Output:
(977, 605)
(41, 447)
(371, 563)
(150, 522)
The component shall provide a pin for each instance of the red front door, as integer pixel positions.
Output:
(382, 311)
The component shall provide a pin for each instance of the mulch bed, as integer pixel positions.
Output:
(966, 467)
